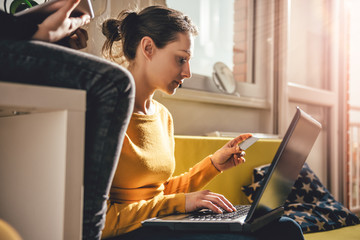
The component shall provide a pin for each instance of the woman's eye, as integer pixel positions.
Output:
(182, 60)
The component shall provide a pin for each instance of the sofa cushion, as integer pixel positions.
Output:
(309, 203)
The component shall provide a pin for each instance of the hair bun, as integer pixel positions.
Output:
(111, 29)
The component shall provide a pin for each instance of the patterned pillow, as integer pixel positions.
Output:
(310, 204)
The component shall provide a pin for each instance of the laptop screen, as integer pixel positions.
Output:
(286, 165)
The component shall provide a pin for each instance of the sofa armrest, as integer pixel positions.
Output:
(191, 149)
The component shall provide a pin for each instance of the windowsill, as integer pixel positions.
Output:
(217, 98)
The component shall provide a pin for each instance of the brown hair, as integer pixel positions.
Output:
(124, 34)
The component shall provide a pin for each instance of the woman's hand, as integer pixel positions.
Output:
(76, 41)
(230, 155)
(79, 39)
(59, 24)
(206, 199)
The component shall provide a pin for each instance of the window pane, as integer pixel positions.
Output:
(308, 44)
(215, 20)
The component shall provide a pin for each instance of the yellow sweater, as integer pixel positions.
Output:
(143, 186)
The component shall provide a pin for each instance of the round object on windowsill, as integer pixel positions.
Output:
(223, 78)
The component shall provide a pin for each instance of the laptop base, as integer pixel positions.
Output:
(215, 226)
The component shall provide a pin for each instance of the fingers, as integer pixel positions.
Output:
(83, 37)
(69, 6)
(230, 154)
(79, 39)
(233, 144)
(216, 202)
(64, 12)
(77, 22)
(240, 138)
(238, 158)
(207, 199)
(221, 201)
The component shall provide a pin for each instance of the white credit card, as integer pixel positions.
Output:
(248, 142)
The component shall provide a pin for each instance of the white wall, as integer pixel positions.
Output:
(200, 118)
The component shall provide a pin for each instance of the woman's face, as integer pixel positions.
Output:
(169, 66)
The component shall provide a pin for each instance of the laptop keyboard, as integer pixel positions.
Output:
(208, 215)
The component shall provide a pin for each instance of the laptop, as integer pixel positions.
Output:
(269, 198)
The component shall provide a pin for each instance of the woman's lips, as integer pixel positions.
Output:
(179, 82)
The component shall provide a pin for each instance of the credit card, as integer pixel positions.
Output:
(248, 142)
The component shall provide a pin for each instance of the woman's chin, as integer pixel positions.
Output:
(171, 91)
(174, 91)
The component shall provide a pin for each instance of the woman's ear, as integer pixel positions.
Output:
(147, 47)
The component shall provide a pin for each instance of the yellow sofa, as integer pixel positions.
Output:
(190, 149)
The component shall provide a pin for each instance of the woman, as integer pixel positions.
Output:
(28, 55)
(157, 45)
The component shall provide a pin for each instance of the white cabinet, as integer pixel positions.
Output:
(41, 160)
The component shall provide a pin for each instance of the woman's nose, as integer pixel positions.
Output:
(186, 71)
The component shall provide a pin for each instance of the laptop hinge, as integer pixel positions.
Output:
(263, 220)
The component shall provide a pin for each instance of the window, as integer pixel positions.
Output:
(313, 77)
(211, 17)
(237, 33)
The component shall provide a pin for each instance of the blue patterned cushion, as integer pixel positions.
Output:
(310, 204)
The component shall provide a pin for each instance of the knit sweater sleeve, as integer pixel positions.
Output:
(12, 27)
(193, 180)
(123, 218)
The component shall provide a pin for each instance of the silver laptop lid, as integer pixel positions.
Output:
(286, 165)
